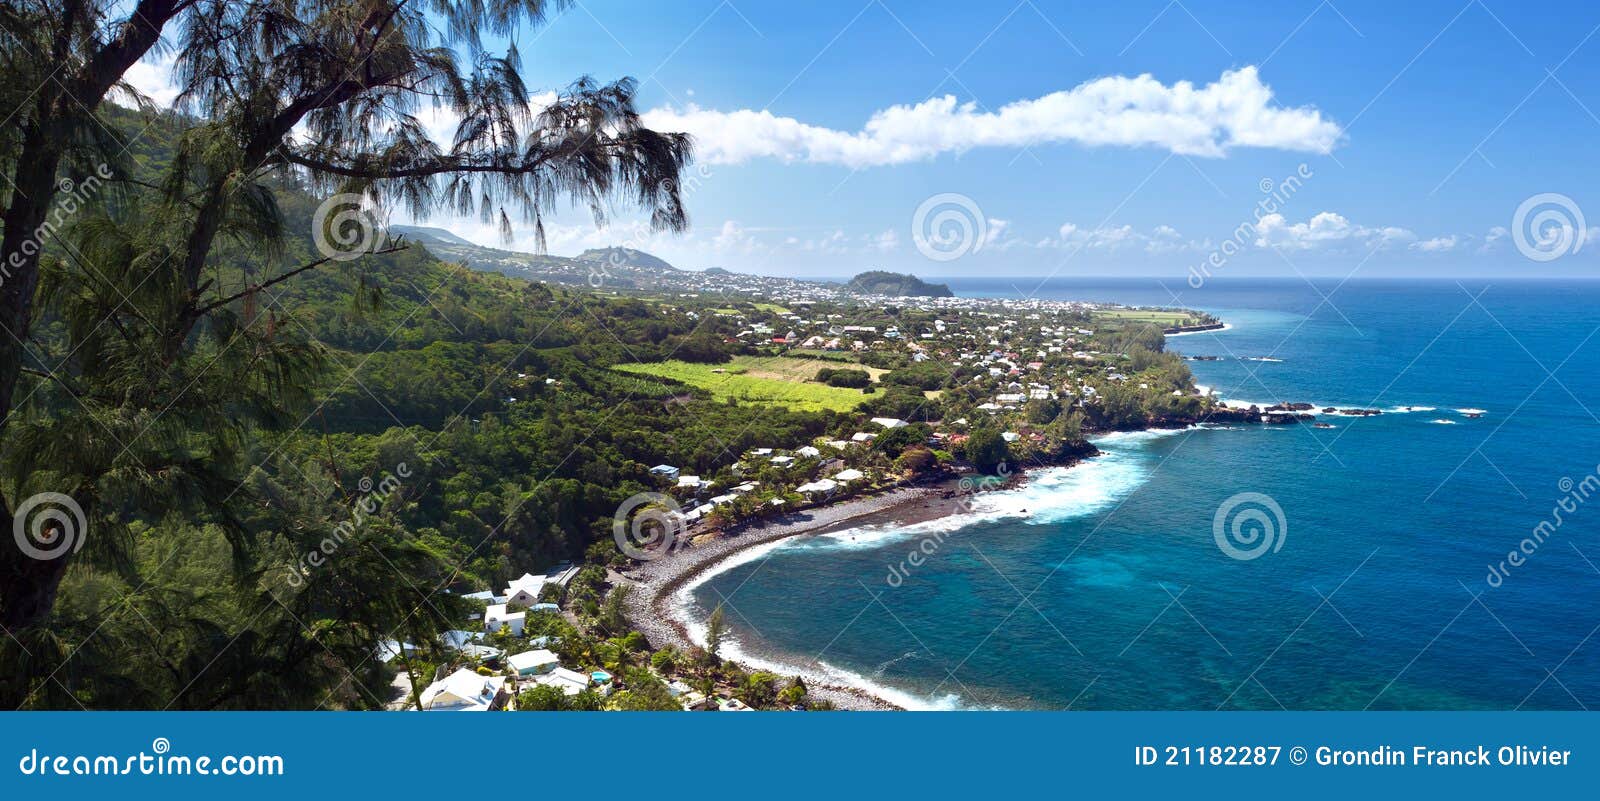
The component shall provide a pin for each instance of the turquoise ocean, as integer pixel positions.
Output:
(1104, 586)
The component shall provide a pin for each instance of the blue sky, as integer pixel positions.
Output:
(1418, 128)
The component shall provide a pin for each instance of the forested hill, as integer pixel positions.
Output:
(880, 282)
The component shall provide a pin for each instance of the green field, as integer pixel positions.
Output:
(1151, 316)
(771, 307)
(777, 380)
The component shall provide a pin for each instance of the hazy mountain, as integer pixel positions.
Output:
(625, 257)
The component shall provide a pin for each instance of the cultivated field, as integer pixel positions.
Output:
(777, 380)
(1151, 316)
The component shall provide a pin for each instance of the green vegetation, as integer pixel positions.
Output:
(1160, 317)
(753, 380)
(844, 377)
(880, 282)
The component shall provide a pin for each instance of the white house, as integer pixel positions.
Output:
(688, 482)
(808, 452)
(525, 591)
(889, 422)
(567, 681)
(665, 471)
(465, 691)
(496, 618)
(815, 488)
(529, 663)
(847, 476)
(862, 436)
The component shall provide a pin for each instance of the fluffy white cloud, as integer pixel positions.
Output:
(1236, 110)
(1107, 238)
(1438, 244)
(1325, 231)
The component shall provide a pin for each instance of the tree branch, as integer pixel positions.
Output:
(210, 307)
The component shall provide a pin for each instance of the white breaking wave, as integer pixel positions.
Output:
(819, 673)
(1225, 327)
(1050, 495)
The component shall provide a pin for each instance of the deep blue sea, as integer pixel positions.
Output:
(1104, 586)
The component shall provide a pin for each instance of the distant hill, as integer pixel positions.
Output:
(625, 257)
(424, 234)
(880, 282)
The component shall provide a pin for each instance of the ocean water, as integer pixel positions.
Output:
(1104, 586)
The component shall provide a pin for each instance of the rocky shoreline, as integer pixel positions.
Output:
(655, 582)
(650, 605)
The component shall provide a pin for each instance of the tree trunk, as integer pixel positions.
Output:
(28, 586)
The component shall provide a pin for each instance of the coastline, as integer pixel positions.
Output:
(653, 607)
(655, 583)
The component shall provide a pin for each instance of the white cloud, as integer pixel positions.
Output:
(153, 79)
(1165, 239)
(1438, 244)
(1325, 231)
(1236, 110)
(1109, 238)
(994, 232)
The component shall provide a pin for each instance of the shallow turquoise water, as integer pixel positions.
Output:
(1112, 592)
